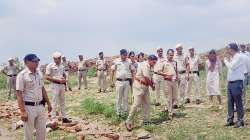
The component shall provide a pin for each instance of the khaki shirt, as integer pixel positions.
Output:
(123, 69)
(82, 65)
(66, 65)
(144, 70)
(158, 67)
(101, 64)
(170, 68)
(55, 71)
(182, 62)
(194, 63)
(30, 84)
(11, 70)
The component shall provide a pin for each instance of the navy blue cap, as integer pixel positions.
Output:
(123, 52)
(152, 57)
(31, 57)
(100, 53)
(233, 46)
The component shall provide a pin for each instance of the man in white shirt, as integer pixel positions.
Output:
(236, 69)
(246, 57)
(194, 79)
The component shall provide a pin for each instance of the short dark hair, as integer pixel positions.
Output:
(170, 50)
(131, 53)
(152, 57)
(212, 51)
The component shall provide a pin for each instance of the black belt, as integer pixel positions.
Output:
(157, 73)
(119, 79)
(34, 103)
(182, 72)
(12, 75)
(66, 70)
(81, 70)
(197, 72)
(231, 82)
(101, 70)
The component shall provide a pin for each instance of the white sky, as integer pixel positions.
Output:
(88, 26)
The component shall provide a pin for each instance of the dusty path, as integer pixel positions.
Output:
(5, 134)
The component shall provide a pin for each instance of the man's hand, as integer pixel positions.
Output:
(169, 77)
(62, 81)
(24, 116)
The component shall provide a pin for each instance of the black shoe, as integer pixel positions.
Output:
(70, 89)
(175, 107)
(157, 104)
(198, 101)
(79, 88)
(146, 123)
(239, 125)
(229, 124)
(187, 101)
(65, 120)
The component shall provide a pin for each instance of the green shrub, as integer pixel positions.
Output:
(3, 82)
(92, 72)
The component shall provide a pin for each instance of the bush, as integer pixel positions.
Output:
(3, 82)
(92, 72)
(91, 106)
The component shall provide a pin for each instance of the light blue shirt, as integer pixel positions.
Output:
(236, 67)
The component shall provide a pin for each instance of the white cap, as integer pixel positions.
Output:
(57, 55)
(10, 59)
(179, 45)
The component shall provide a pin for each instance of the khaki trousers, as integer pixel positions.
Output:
(194, 79)
(102, 79)
(67, 80)
(36, 120)
(58, 98)
(11, 82)
(171, 94)
(182, 86)
(141, 97)
(82, 77)
(122, 89)
(159, 85)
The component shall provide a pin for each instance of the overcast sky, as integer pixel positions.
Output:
(88, 26)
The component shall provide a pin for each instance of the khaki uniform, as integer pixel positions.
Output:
(31, 86)
(194, 77)
(82, 74)
(141, 92)
(181, 65)
(66, 68)
(123, 74)
(11, 72)
(102, 69)
(158, 79)
(57, 72)
(170, 68)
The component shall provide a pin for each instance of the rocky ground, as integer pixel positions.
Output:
(193, 122)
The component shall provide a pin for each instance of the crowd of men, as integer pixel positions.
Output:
(172, 76)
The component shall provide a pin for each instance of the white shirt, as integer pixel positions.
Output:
(30, 84)
(246, 61)
(122, 68)
(236, 68)
(181, 61)
(194, 63)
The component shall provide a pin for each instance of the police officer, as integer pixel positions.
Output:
(183, 72)
(66, 65)
(31, 97)
(143, 79)
(82, 72)
(170, 74)
(11, 71)
(55, 73)
(158, 79)
(102, 72)
(194, 79)
(123, 70)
